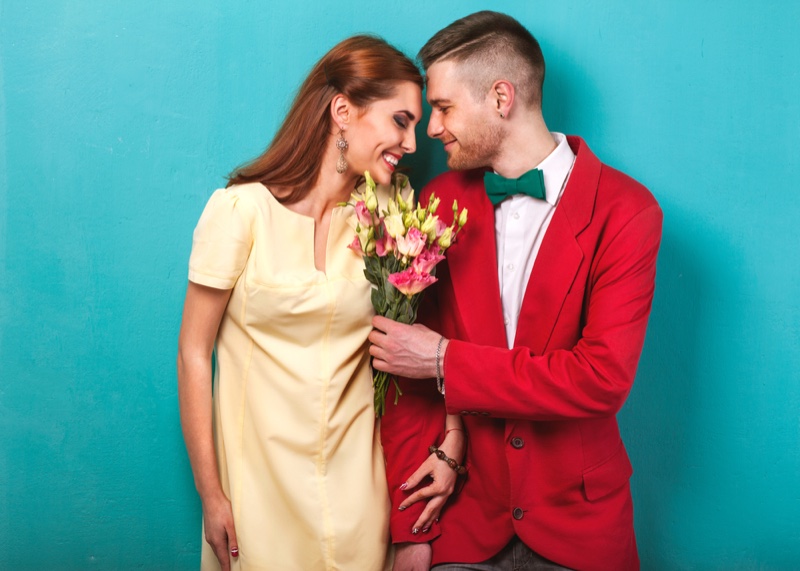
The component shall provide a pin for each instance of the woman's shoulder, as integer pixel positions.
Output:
(249, 191)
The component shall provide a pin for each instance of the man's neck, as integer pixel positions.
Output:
(527, 143)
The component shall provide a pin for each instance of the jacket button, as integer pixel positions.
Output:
(518, 513)
(464, 412)
(517, 442)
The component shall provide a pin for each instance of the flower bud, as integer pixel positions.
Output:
(371, 200)
(428, 227)
(446, 238)
(462, 219)
(395, 225)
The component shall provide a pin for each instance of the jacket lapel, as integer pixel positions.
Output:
(472, 262)
(560, 256)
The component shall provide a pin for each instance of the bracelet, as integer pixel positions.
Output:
(449, 430)
(439, 379)
(445, 458)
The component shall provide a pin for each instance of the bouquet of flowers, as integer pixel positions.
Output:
(401, 247)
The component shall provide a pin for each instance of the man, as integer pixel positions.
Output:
(536, 324)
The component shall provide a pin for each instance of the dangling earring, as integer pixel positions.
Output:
(341, 144)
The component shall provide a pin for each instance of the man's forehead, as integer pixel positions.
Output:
(443, 81)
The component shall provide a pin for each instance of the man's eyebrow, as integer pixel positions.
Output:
(437, 102)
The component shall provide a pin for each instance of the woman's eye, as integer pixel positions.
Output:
(401, 121)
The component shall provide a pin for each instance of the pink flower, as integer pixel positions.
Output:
(363, 215)
(355, 245)
(385, 245)
(412, 243)
(440, 227)
(409, 282)
(427, 260)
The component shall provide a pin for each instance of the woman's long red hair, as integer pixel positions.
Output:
(362, 68)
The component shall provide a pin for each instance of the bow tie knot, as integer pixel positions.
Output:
(499, 188)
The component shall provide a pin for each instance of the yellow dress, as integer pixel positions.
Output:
(295, 432)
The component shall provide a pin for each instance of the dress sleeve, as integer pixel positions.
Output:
(222, 240)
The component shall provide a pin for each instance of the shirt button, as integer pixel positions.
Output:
(517, 442)
(518, 513)
(510, 267)
(505, 320)
(515, 216)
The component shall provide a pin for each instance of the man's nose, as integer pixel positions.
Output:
(435, 125)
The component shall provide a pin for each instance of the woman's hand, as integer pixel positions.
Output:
(220, 532)
(444, 481)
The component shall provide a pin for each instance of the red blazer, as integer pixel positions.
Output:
(545, 457)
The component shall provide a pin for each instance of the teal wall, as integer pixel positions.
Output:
(118, 119)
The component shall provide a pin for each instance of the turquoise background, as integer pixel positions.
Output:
(118, 119)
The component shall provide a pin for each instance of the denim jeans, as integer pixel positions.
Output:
(516, 556)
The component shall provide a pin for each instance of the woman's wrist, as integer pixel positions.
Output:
(454, 444)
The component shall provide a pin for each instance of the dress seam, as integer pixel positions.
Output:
(243, 399)
(328, 533)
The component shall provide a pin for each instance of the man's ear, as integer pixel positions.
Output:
(502, 93)
(341, 111)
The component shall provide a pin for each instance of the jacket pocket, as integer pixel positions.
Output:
(612, 474)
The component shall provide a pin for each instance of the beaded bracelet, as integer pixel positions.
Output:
(445, 458)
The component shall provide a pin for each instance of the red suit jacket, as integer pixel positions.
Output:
(545, 457)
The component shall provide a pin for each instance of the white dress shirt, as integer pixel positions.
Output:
(520, 224)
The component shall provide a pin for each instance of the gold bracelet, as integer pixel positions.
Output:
(449, 461)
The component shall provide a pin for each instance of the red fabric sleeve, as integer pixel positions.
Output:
(594, 377)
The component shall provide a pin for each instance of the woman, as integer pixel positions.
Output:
(291, 475)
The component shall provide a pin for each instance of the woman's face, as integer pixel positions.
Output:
(381, 134)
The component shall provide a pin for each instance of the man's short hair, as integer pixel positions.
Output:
(490, 46)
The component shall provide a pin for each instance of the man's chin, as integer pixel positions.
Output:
(457, 164)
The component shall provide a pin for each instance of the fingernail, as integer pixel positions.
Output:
(426, 529)
(436, 520)
(234, 552)
(404, 485)
(401, 508)
(415, 531)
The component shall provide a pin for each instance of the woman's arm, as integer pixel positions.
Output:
(202, 313)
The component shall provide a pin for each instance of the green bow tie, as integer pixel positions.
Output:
(499, 188)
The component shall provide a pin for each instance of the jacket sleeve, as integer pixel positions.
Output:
(591, 379)
(408, 428)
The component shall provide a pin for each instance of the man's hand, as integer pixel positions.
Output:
(412, 557)
(404, 350)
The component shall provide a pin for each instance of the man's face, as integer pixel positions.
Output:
(466, 125)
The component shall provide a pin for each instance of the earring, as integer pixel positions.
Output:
(341, 144)
(502, 116)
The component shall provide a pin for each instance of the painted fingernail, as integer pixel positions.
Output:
(234, 552)
(401, 508)
(426, 529)
(415, 531)
(404, 485)
(436, 520)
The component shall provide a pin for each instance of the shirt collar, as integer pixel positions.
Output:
(556, 168)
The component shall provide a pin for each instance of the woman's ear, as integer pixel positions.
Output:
(341, 111)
